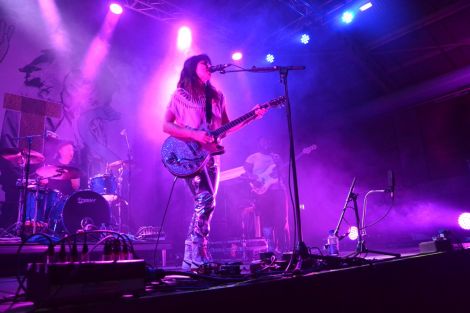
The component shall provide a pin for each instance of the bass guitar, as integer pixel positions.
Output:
(269, 176)
(185, 157)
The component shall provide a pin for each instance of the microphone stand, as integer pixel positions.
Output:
(129, 176)
(361, 245)
(301, 250)
(350, 197)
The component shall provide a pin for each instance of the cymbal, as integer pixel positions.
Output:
(19, 156)
(119, 163)
(61, 172)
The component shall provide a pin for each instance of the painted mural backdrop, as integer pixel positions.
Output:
(35, 69)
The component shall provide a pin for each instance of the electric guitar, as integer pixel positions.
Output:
(269, 177)
(185, 157)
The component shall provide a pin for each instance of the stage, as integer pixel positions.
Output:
(419, 282)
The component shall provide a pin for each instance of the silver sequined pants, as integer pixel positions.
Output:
(203, 186)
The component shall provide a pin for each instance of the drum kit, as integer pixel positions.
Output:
(46, 210)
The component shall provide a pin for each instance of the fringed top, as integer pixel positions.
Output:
(191, 112)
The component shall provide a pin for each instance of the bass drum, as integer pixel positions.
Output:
(85, 210)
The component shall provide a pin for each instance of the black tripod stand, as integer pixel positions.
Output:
(361, 246)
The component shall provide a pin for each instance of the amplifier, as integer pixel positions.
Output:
(68, 282)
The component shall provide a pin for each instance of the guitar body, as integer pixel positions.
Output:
(264, 181)
(185, 158)
(268, 178)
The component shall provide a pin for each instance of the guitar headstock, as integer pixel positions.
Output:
(309, 149)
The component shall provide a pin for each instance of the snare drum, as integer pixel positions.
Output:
(84, 210)
(105, 185)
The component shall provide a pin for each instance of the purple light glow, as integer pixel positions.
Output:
(98, 48)
(55, 28)
(464, 221)
(353, 233)
(115, 8)
(237, 56)
(184, 38)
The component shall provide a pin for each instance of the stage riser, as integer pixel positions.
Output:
(420, 284)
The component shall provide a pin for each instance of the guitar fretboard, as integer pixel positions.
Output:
(221, 130)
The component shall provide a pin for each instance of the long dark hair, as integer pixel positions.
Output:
(190, 82)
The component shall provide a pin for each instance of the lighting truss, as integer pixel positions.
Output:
(161, 10)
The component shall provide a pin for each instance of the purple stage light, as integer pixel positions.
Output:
(464, 220)
(115, 8)
(184, 38)
(353, 233)
(237, 56)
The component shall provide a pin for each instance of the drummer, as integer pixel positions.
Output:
(64, 157)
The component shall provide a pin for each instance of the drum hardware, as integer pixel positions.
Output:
(109, 186)
(59, 172)
(106, 185)
(82, 211)
(18, 157)
(23, 158)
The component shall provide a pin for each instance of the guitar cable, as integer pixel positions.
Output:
(163, 221)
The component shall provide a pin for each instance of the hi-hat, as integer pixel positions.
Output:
(19, 157)
(61, 172)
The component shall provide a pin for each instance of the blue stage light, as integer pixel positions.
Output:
(366, 6)
(270, 58)
(305, 38)
(347, 17)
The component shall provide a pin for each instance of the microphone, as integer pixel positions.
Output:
(391, 183)
(123, 132)
(218, 68)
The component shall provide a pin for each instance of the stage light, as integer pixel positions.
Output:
(347, 17)
(184, 38)
(270, 58)
(353, 233)
(366, 6)
(237, 56)
(116, 8)
(305, 38)
(464, 220)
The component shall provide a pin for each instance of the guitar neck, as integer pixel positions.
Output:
(223, 129)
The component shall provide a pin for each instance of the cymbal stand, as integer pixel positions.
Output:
(119, 193)
(27, 167)
(129, 177)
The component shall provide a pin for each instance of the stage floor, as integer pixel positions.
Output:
(417, 280)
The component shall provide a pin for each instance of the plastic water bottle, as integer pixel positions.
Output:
(332, 243)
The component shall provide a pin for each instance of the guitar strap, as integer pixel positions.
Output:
(208, 104)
